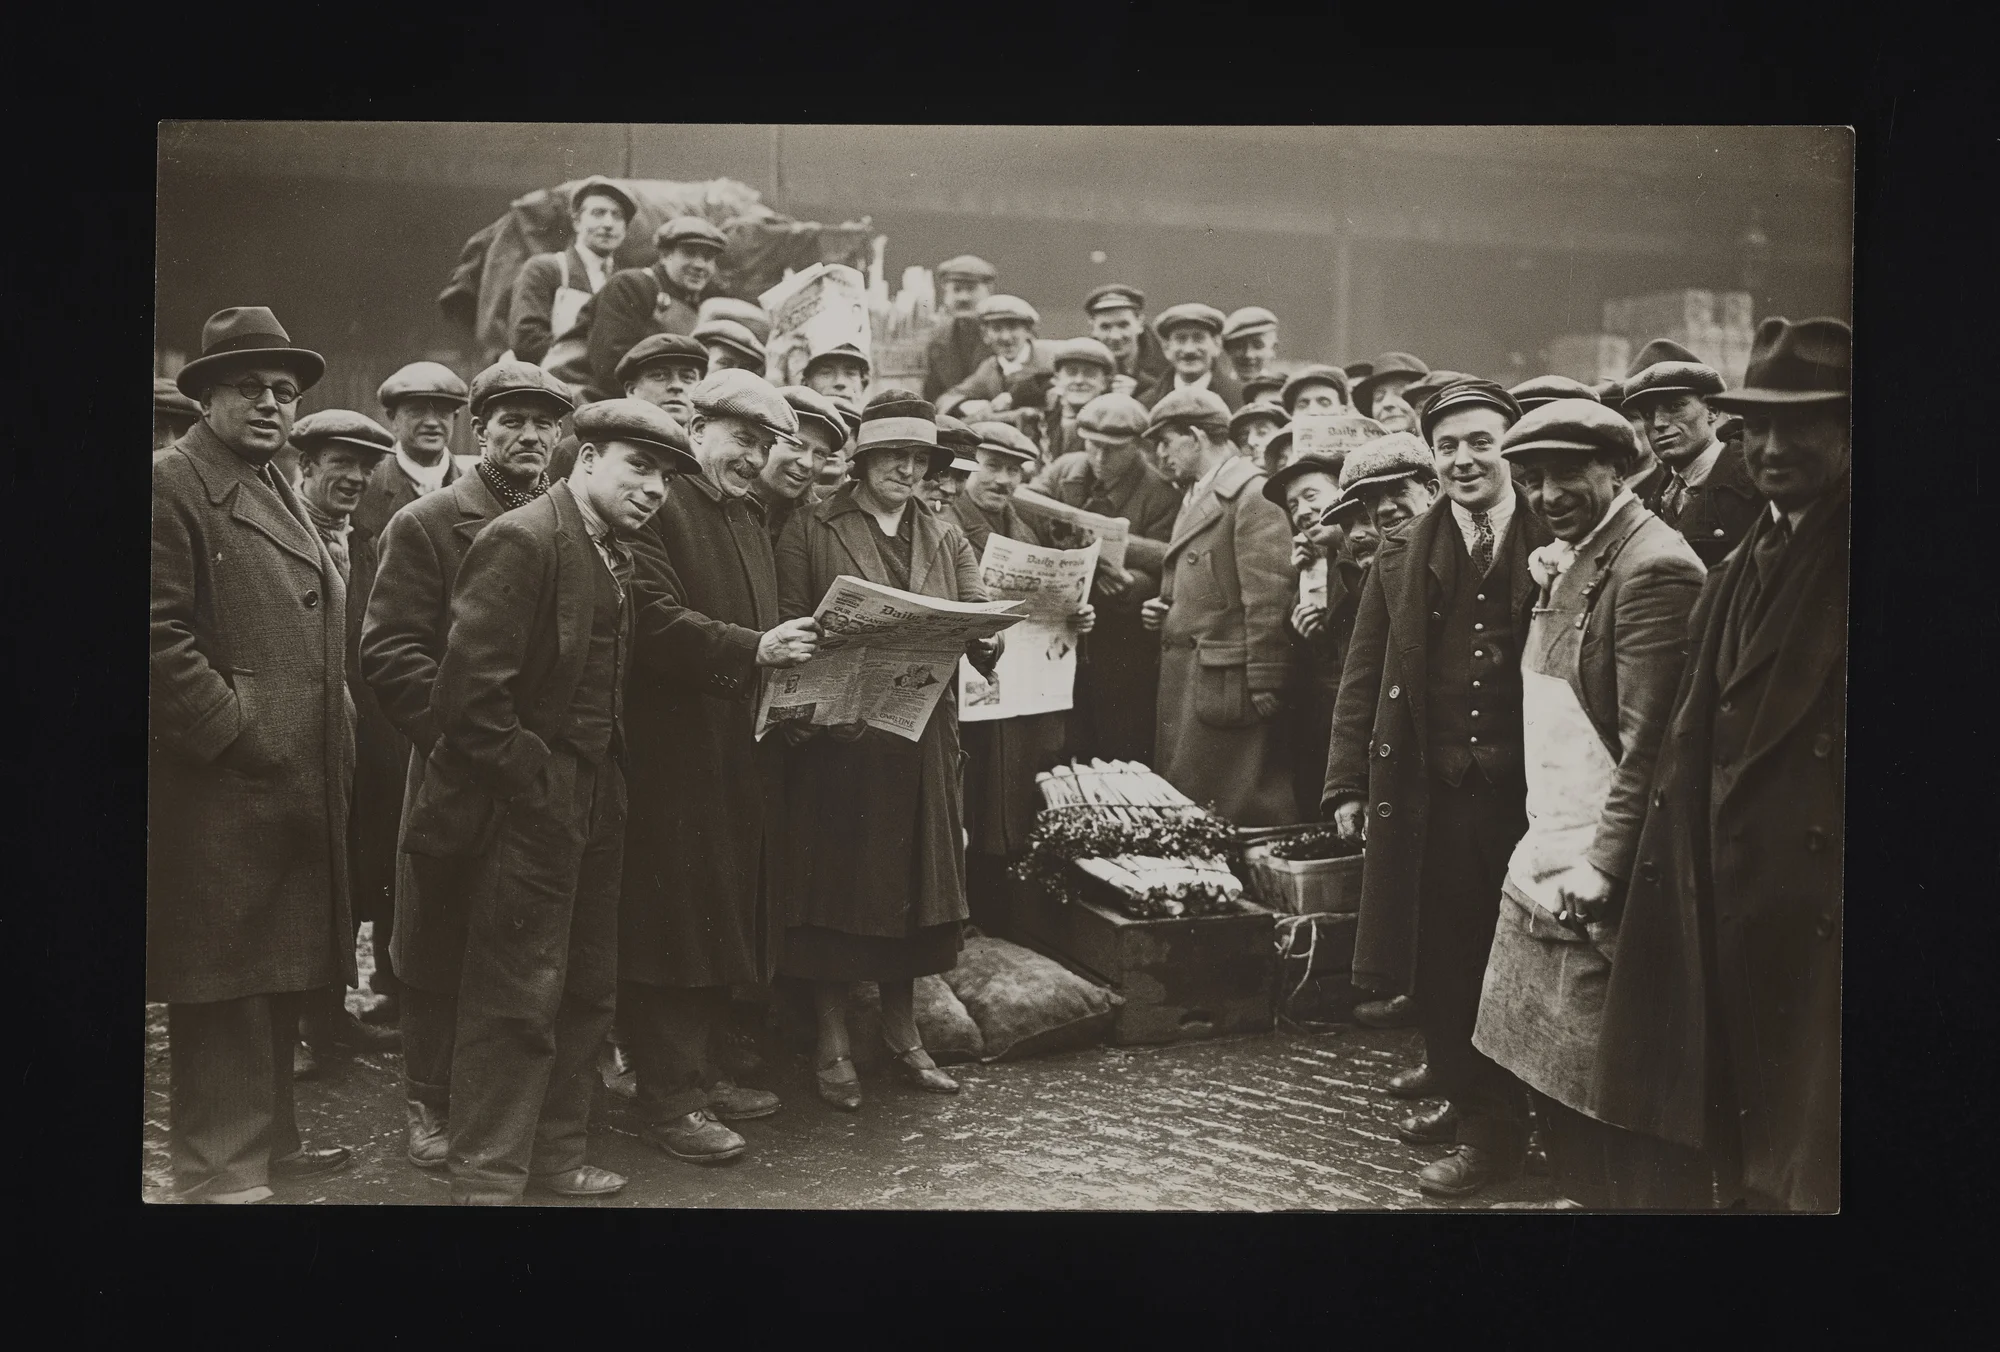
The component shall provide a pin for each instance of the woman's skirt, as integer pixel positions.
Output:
(816, 953)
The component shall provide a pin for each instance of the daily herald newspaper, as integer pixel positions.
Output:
(884, 658)
(1077, 526)
(1037, 670)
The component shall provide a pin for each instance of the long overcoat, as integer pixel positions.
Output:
(1379, 748)
(1228, 578)
(381, 754)
(402, 641)
(252, 754)
(1729, 946)
(706, 800)
(877, 844)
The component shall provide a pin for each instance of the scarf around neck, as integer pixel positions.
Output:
(511, 496)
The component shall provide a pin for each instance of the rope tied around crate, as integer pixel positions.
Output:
(1285, 937)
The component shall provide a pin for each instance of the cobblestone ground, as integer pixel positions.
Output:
(1283, 1121)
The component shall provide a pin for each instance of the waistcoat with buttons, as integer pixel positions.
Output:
(1472, 692)
(596, 721)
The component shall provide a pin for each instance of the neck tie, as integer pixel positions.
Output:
(1482, 542)
(1766, 558)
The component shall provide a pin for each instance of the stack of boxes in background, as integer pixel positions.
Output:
(901, 327)
(1715, 326)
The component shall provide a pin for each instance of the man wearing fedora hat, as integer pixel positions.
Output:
(1117, 315)
(251, 764)
(1721, 1024)
(421, 403)
(959, 344)
(662, 297)
(1250, 338)
(517, 411)
(1191, 337)
(551, 289)
(1009, 324)
(1715, 501)
(524, 788)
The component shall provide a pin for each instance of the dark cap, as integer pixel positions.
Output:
(659, 347)
(686, 230)
(1388, 366)
(241, 337)
(422, 380)
(956, 434)
(1256, 387)
(811, 405)
(970, 267)
(1419, 391)
(1112, 417)
(998, 436)
(518, 377)
(1576, 424)
(1114, 296)
(1311, 463)
(1188, 312)
(1672, 377)
(344, 426)
(1358, 370)
(641, 424)
(599, 186)
(1659, 350)
(1469, 392)
(1804, 363)
(1318, 373)
(1532, 394)
(1189, 408)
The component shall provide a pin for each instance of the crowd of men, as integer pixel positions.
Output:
(1569, 658)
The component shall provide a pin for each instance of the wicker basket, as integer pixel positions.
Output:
(1303, 886)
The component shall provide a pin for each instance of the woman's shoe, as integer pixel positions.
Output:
(917, 1068)
(843, 1092)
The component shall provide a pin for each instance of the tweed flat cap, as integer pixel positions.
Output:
(998, 436)
(167, 399)
(1573, 425)
(518, 377)
(1263, 389)
(811, 405)
(1532, 394)
(344, 426)
(1189, 408)
(971, 267)
(641, 424)
(1809, 362)
(241, 337)
(1387, 366)
(1672, 377)
(1250, 413)
(1471, 392)
(660, 347)
(422, 380)
(1274, 487)
(597, 185)
(1085, 350)
(1112, 417)
(1395, 456)
(1419, 391)
(682, 231)
(749, 314)
(1655, 352)
(1114, 296)
(995, 308)
(1188, 312)
(737, 393)
(1248, 322)
(1315, 374)
(730, 334)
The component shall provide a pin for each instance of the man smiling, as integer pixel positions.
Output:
(661, 368)
(1009, 324)
(790, 478)
(1191, 336)
(421, 402)
(662, 298)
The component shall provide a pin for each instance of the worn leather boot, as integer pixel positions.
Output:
(586, 1180)
(1463, 1172)
(1430, 1126)
(734, 1103)
(1396, 1012)
(427, 1138)
(1414, 1083)
(698, 1138)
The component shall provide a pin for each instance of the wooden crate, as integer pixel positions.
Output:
(1184, 978)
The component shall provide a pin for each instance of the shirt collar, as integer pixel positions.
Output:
(427, 478)
(1702, 465)
(596, 268)
(592, 522)
(1200, 382)
(1791, 518)
(1008, 368)
(1498, 516)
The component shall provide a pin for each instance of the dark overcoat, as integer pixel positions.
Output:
(252, 737)
(390, 489)
(381, 754)
(635, 303)
(402, 641)
(1379, 747)
(1723, 509)
(1222, 381)
(705, 799)
(1722, 1019)
(988, 383)
(877, 842)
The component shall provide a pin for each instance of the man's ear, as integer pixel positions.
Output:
(586, 452)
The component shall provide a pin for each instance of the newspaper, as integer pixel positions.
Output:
(1333, 434)
(1110, 533)
(884, 657)
(813, 312)
(1312, 583)
(1037, 671)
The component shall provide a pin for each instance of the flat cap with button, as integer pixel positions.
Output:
(1189, 408)
(1311, 463)
(242, 337)
(641, 424)
(1188, 312)
(1419, 391)
(967, 267)
(1114, 296)
(1084, 350)
(736, 393)
(518, 378)
(997, 308)
(1804, 363)
(1112, 417)
(351, 429)
(1464, 393)
(1398, 455)
(749, 314)
(1657, 351)
(811, 405)
(732, 335)
(1671, 378)
(1532, 394)
(1581, 425)
(898, 420)
(1318, 373)
(999, 437)
(656, 347)
(422, 380)
(167, 399)
(1248, 322)
(1263, 389)
(597, 185)
(1250, 413)
(690, 232)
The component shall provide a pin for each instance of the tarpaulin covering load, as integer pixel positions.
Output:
(762, 245)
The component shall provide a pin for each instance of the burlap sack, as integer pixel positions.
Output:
(1026, 1004)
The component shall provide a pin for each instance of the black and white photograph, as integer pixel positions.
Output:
(853, 667)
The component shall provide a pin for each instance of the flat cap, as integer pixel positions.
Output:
(1610, 393)
(1188, 312)
(1387, 366)
(597, 185)
(730, 334)
(1672, 377)
(1189, 408)
(1532, 394)
(1263, 389)
(1418, 392)
(956, 434)
(168, 399)
(1114, 296)
(736, 393)
(1250, 413)
(969, 266)
(1573, 425)
(1381, 459)
(847, 350)
(998, 436)
(811, 405)
(422, 380)
(1316, 374)
(1659, 350)
(1469, 392)
(1248, 322)
(686, 230)
(1007, 307)
(1112, 417)
(749, 314)
(641, 424)
(1358, 370)
(660, 347)
(1808, 362)
(1085, 350)
(345, 426)
(1310, 463)
(518, 377)
(848, 410)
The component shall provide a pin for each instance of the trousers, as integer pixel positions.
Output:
(429, 1021)
(230, 1091)
(537, 988)
(669, 1031)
